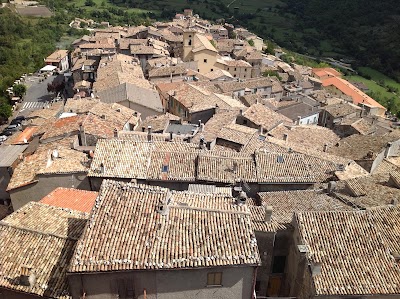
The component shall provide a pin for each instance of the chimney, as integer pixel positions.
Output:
(143, 129)
(115, 133)
(285, 137)
(103, 116)
(260, 130)
(102, 168)
(331, 187)
(315, 269)
(387, 149)
(149, 133)
(81, 135)
(202, 143)
(241, 198)
(216, 108)
(268, 213)
(298, 120)
(171, 136)
(325, 147)
(395, 201)
(241, 112)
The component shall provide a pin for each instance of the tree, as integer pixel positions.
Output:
(5, 109)
(19, 90)
(90, 3)
(251, 42)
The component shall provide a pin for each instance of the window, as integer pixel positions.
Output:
(214, 279)
(279, 263)
(235, 69)
(205, 60)
(212, 70)
(165, 168)
(234, 75)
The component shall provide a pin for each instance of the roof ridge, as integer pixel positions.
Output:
(5, 224)
(177, 206)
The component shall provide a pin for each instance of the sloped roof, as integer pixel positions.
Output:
(69, 198)
(182, 235)
(265, 117)
(227, 167)
(355, 251)
(42, 237)
(349, 89)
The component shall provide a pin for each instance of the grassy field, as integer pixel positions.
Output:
(372, 85)
(381, 94)
(379, 77)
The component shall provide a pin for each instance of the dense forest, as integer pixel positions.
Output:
(366, 30)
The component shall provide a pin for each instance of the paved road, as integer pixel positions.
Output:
(36, 96)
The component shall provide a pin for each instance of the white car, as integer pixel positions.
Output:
(3, 138)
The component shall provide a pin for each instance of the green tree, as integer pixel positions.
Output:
(90, 3)
(251, 42)
(5, 109)
(19, 90)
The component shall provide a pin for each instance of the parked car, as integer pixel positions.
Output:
(3, 138)
(20, 117)
(16, 122)
(7, 132)
(14, 127)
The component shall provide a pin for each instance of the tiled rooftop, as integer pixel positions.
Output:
(283, 168)
(158, 123)
(80, 105)
(236, 133)
(355, 251)
(359, 147)
(69, 161)
(179, 239)
(226, 167)
(69, 198)
(308, 136)
(179, 166)
(41, 237)
(285, 203)
(369, 191)
(263, 116)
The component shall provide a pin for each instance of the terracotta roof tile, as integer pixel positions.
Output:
(368, 238)
(263, 116)
(227, 167)
(69, 198)
(41, 237)
(179, 239)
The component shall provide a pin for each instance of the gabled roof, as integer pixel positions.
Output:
(69, 161)
(354, 250)
(283, 168)
(349, 89)
(41, 237)
(226, 167)
(315, 137)
(358, 147)
(201, 42)
(57, 56)
(179, 236)
(326, 71)
(265, 117)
